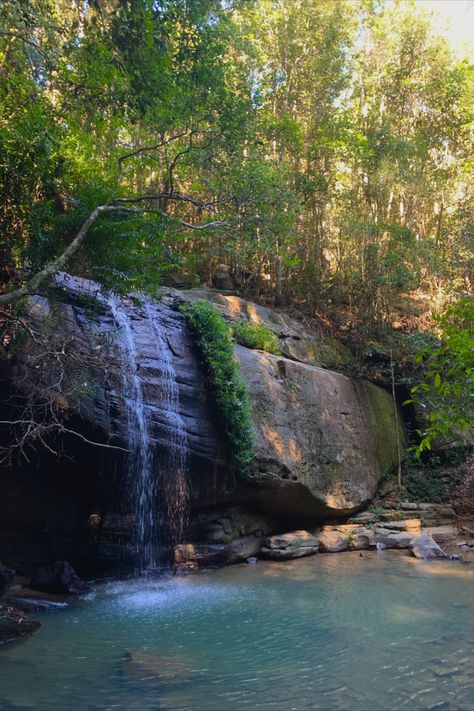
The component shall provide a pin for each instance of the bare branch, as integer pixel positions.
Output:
(145, 149)
(61, 428)
(59, 263)
(20, 321)
(206, 225)
(183, 223)
(179, 197)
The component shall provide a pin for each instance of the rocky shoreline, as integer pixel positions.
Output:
(235, 536)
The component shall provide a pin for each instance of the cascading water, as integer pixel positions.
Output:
(156, 492)
(175, 483)
(140, 475)
(157, 486)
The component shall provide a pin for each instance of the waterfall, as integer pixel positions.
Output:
(157, 485)
(141, 477)
(175, 483)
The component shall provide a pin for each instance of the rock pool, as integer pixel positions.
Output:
(328, 633)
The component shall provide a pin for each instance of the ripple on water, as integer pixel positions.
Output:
(334, 633)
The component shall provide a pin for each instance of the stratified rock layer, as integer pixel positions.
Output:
(296, 544)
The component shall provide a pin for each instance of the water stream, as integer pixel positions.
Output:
(141, 477)
(328, 633)
(175, 484)
(156, 490)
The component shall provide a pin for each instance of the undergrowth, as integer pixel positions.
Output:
(256, 335)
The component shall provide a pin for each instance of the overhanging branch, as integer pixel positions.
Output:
(33, 285)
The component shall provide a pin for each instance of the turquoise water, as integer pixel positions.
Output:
(327, 633)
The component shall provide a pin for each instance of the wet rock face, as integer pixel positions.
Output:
(322, 440)
(226, 524)
(193, 405)
(7, 577)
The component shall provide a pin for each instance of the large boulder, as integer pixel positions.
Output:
(333, 541)
(389, 538)
(14, 624)
(189, 557)
(290, 545)
(323, 440)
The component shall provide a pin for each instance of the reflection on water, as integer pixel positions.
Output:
(327, 633)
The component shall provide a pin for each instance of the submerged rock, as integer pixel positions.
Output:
(14, 624)
(290, 545)
(150, 668)
(424, 547)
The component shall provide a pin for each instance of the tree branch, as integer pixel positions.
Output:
(59, 263)
(179, 197)
(145, 149)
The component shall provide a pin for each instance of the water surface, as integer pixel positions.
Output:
(326, 633)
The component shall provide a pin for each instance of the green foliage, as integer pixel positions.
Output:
(424, 486)
(212, 337)
(256, 335)
(376, 511)
(447, 389)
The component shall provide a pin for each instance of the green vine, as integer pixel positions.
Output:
(213, 339)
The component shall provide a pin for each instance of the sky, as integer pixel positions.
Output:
(456, 21)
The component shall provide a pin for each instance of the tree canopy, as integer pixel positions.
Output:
(321, 150)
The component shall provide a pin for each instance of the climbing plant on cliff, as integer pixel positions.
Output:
(212, 337)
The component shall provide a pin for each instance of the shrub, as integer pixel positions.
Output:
(212, 337)
(256, 335)
(425, 486)
(376, 511)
